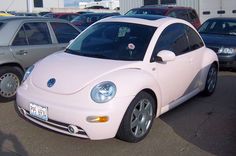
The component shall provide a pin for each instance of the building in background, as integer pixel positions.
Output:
(205, 8)
(30, 5)
(109, 4)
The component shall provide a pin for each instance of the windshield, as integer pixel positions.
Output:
(220, 27)
(146, 12)
(81, 19)
(113, 40)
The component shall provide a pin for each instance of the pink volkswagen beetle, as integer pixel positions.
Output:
(117, 76)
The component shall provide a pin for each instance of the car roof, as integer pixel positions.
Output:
(163, 7)
(22, 18)
(63, 13)
(223, 18)
(102, 13)
(151, 20)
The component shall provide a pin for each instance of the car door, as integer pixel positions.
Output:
(32, 43)
(176, 78)
(64, 33)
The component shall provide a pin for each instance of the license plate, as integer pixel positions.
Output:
(39, 112)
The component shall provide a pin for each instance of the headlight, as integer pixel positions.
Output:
(28, 72)
(223, 50)
(103, 92)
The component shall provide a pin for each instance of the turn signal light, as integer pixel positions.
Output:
(97, 119)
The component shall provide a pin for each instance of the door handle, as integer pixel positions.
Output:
(21, 52)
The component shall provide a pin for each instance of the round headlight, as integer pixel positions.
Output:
(103, 92)
(28, 72)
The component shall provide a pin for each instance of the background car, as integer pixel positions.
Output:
(44, 13)
(66, 16)
(85, 20)
(27, 40)
(219, 34)
(6, 14)
(26, 14)
(185, 13)
(117, 76)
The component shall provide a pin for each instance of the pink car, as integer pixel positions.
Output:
(117, 76)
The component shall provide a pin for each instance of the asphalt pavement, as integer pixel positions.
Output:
(201, 126)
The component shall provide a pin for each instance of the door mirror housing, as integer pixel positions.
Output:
(166, 56)
(71, 41)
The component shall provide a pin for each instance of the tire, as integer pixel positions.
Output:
(137, 121)
(211, 80)
(10, 79)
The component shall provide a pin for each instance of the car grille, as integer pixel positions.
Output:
(55, 125)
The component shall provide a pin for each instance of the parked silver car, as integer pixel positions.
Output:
(25, 40)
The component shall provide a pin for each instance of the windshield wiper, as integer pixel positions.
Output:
(70, 51)
(95, 56)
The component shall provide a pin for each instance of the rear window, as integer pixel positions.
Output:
(146, 12)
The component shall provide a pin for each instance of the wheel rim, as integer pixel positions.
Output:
(141, 117)
(212, 78)
(8, 84)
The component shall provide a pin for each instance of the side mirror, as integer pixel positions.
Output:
(71, 41)
(166, 56)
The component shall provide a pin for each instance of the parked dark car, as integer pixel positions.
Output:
(25, 40)
(66, 16)
(44, 13)
(219, 34)
(85, 20)
(185, 13)
(26, 14)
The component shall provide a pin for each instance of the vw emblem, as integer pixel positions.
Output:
(51, 82)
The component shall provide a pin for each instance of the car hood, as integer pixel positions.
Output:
(212, 40)
(72, 73)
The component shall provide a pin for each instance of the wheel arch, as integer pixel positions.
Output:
(13, 64)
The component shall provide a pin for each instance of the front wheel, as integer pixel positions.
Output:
(10, 78)
(211, 80)
(138, 118)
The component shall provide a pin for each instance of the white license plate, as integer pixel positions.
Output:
(39, 112)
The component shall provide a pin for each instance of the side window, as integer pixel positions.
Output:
(173, 38)
(195, 41)
(193, 14)
(20, 38)
(182, 14)
(65, 17)
(37, 33)
(64, 32)
(172, 14)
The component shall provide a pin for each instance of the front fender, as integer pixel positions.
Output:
(130, 82)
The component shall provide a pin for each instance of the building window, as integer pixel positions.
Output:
(150, 2)
(168, 1)
(154, 2)
(38, 3)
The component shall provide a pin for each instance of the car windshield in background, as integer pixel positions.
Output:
(221, 27)
(146, 11)
(113, 40)
(81, 19)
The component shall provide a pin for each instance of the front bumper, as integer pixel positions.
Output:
(65, 110)
(227, 61)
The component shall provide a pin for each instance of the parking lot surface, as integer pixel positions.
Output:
(202, 126)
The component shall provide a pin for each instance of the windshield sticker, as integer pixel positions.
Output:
(123, 31)
(131, 46)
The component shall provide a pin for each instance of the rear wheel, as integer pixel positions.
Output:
(211, 80)
(10, 78)
(138, 118)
